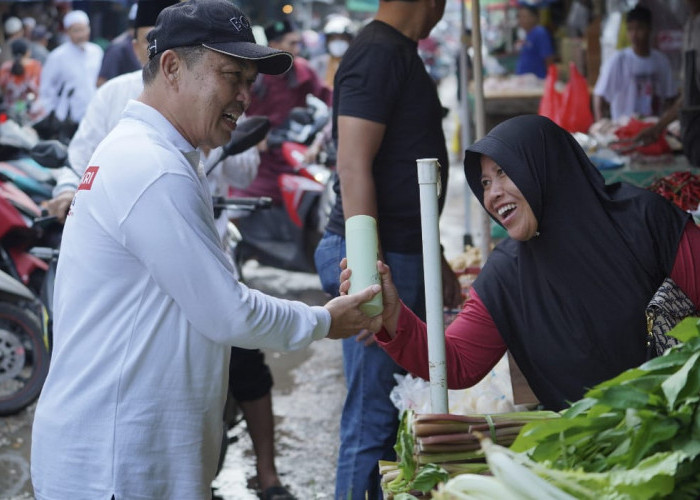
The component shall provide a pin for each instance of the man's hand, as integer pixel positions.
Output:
(58, 206)
(648, 135)
(346, 317)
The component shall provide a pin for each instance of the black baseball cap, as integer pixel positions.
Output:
(147, 11)
(278, 29)
(217, 25)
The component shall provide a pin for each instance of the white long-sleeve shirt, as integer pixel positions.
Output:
(146, 308)
(74, 68)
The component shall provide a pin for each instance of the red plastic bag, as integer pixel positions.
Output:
(630, 131)
(550, 104)
(570, 109)
(576, 103)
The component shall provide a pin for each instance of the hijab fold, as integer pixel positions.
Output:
(570, 302)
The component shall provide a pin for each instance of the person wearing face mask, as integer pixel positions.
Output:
(566, 292)
(338, 33)
(69, 77)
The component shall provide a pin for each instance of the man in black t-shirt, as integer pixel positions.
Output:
(386, 115)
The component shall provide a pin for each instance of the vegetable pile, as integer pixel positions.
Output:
(635, 437)
(682, 188)
(434, 447)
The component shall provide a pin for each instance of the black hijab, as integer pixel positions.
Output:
(569, 303)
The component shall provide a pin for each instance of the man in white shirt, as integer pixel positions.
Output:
(636, 80)
(146, 305)
(250, 379)
(687, 105)
(69, 76)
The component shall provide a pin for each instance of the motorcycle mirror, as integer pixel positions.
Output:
(301, 116)
(50, 154)
(247, 134)
(250, 132)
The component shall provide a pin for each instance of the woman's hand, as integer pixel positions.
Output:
(390, 298)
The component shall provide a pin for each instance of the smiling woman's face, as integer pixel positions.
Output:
(504, 201)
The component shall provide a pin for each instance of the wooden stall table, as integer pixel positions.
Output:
(502, 104)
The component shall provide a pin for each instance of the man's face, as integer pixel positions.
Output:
(290, 42)
(140, 44)
(435, 14)
(79, 33)
(639, 35)
(217, 91)
(526, 19)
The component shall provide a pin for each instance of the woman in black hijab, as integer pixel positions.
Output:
(566, 292)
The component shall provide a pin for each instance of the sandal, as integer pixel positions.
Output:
(277, 493)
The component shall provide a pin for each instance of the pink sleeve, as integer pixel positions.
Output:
(473, 345)
(686, 269)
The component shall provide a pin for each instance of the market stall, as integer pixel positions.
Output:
(633, 437)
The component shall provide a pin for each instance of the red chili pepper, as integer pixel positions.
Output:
(681, 188)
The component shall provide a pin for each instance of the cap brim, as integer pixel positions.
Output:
(270, 61)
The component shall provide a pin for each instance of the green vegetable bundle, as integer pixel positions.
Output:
(434, 447)
(635, 436)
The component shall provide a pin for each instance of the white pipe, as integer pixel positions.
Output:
(480, 116)
(465, 118)
(428, 178)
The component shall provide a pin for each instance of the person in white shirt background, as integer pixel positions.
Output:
(252, 390)
(146, 303)
(69, 75)
(637, 80)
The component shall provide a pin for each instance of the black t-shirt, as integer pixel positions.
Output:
(381, 78)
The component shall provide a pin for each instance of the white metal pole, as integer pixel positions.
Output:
(428, 178)
(465, 118)
(466, 130)
(480, 115)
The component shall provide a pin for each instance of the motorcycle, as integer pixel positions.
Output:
(16, 163)
(27, 261)
(24, 346)
(306, 193)
(29, 241)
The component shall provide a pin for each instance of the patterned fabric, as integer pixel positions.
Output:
(666, 309)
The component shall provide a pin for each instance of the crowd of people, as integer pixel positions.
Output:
(152, 329)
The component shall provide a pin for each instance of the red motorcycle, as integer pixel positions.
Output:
(20, 230)
(306, 193)
(24, 321)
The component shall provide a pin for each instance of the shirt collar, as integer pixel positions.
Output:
(145, 113)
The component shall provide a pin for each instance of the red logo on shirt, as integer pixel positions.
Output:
(88, 178)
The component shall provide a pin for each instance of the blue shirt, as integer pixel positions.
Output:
(537, 48)
(119, 58)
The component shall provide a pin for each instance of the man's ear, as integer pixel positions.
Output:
(170, 64)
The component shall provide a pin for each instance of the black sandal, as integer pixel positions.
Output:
(277, 493)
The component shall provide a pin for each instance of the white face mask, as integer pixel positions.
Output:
(337, 48)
